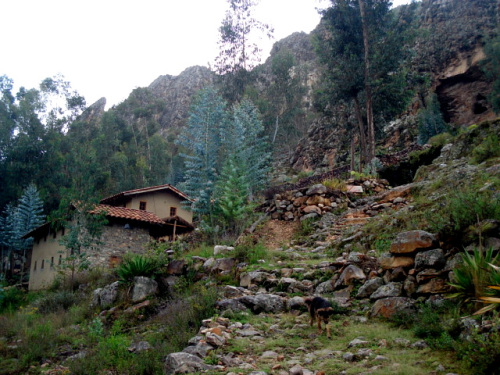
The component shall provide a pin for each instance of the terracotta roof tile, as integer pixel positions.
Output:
(128, 213)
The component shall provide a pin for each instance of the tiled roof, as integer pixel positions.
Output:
(146, 190)
(128, 213)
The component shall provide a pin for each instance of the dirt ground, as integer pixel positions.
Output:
(277, 233)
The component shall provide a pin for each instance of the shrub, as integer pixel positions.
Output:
(136, 265)
(335, 184)
(481, 351)
(306, 228)
(473, 276)
(430, 120)
(250, 253)
(11, 298)
(488, 148)
(55, 301)
(464, 208)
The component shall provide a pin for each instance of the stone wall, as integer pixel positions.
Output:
(116, 242)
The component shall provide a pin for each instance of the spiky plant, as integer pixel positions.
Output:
(473, 275)
(492, 292)
(136, 265)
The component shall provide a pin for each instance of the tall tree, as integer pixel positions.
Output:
(249, 146)
(238, 49)
(202, 139)
(19, 220)
(362, 47)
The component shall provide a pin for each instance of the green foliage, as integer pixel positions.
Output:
(11, 298)
(488, 148)
(182, 316)
(18, 221)
(372, 168)
(55, 301)
(431, 122)
(251, 253)
(464, 208)
(335, 184)
(228, 161)
(202, 138)
(95, 329)
(491, 67)
(136, 265)
(306, 228)
(238, 52)
(481, 351)
(232, 193)
(473, 276)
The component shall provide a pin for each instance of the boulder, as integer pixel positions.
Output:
(200, 349)
(176, 267)
(268, 303)
(324, 288)
(388, 262)
(223, 265)
(389, 290)
(312, 210)
(369, 287)
(434, 286)
(411, 241)
(296, 303)
(233, 304)
(387, 307)
(430, 259)
(316, 189)
(255, 277)
(143, 288)
(350, 274)
(215, 339)
(184, 363)
(106, 297)
(410, 285)
(220, 249)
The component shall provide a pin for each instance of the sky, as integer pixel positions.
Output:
(107, 48)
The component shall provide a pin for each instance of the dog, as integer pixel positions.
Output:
(321, 310)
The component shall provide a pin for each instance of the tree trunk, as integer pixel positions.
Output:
(276, 129)
(362, 133)
(352, 154)
(368, 91)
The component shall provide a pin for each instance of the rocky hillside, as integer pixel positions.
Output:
(379, 254)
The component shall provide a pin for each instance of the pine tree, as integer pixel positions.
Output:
(19, 220)
(202, 138)
(250, 146)
(232, 195)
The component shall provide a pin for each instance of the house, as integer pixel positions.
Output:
(134, 218)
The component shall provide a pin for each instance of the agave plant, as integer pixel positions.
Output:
(136, 265)
(492, 297)
(474, 275)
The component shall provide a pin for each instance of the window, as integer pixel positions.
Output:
(60, 259)
(43, 264)
(34, 267)
(173, 211)
(142, 206)
(51, 262)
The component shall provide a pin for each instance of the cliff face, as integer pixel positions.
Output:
(450, 53)
(176, 92)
